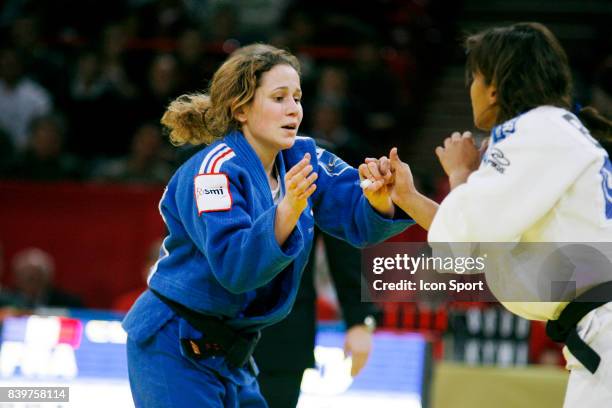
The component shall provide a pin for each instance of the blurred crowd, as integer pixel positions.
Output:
(83, 84)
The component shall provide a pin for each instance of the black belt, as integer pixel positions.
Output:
(563, 330)
(217, 337)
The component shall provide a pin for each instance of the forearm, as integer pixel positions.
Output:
(456, 178)
(420, 208)
(386, 210)
(234, 249)
(285, 221)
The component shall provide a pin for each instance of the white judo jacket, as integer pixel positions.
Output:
(543, 179)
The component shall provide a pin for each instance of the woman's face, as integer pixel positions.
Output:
(484, 102)
(270, 122)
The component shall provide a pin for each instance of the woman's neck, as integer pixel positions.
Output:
(266, 155)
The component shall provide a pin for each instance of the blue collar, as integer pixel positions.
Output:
(236, 140)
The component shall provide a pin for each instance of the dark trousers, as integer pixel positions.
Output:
(280, 389)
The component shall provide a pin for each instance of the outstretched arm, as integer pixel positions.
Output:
(405, 195)
(459, 158)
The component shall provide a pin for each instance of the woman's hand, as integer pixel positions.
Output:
(459, 157)
(377, 192)
(405, 195)
(358, 345)
(299, 185)
(403, 189)
(400, 187)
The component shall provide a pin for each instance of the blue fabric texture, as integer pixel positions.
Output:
(162, 376)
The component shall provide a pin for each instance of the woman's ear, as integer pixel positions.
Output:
(240, 114)
(492, 94)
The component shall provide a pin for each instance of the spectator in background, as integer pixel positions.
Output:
(375, 89)
(124, 302)
(300, 30)
(91, 102)
(330, 130)
(21, 99)
(33, 271)
(87, 81)
(162, 18)
(163, 85)
(113, 62)
(298, 34)
(6, 151)
(332, 113)
(196, 69)
(102, 95)
(145, 164)
(332, 86)
(601, 98)
(223, 24)
(43, 65)
(329, 85)
(70, 19)
(7, 298)
(44, 157)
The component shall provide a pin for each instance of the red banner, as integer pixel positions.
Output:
(97, 234)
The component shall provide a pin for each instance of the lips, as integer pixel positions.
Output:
(292, 126)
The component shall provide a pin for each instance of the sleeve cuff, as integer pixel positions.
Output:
(355, 314)
(448, 211)
(398, 223)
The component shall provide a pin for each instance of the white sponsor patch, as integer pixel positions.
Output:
(212, 192)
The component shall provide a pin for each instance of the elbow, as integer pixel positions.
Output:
(235, 289)
(232, 280)
(360, 244)
(234, 286)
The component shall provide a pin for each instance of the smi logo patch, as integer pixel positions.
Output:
(215, 191)
(212, 192)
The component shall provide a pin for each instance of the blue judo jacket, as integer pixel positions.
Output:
(220, 256)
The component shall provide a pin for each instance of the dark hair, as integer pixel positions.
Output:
(203, 117)
(529, 68)
(54, 119)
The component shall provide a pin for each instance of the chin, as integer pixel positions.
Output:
(286, 143)
(483, 125)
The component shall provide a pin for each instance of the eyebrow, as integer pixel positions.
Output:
(286, 87)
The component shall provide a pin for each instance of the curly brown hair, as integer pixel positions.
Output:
(204, 117)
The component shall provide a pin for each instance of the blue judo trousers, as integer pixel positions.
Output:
(162, 374)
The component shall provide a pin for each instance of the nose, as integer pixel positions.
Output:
(293, 108)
